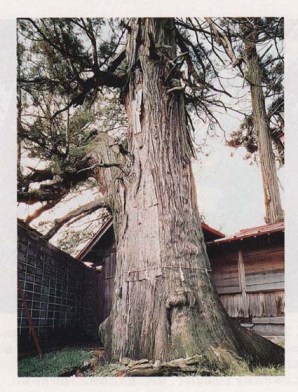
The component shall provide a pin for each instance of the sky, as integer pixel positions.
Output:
(230, 193)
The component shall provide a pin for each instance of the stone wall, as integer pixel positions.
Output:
(60, 291)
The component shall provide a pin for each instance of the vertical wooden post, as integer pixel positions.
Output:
(242, 283)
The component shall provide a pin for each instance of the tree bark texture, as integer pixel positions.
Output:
(165, 305)
(273, 209)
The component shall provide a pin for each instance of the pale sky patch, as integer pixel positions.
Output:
(229, 189)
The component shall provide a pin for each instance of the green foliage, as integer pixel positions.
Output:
(245, 136)
(68, 242)
(52, 364)
(57, 58)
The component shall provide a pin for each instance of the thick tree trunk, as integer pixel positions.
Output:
(273, 209)
(165, 305)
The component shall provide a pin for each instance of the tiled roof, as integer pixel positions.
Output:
(252, 232)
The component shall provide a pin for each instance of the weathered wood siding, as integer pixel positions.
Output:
(250, 283)
(233, 304)
(225, 274)
(264, 269)
(268, 304)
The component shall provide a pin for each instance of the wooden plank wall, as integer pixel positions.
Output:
(266, 304)
(233, 304)
(225, 274)
(261, 291)
(264, 270)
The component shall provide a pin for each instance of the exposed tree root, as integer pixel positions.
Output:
(253, 350)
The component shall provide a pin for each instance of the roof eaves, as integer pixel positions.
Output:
(104, 228)
(212, 230)
(245, 236)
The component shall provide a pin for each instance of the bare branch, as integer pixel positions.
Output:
(182, 43)
(223, 40)
(82, 210)
(177, 88)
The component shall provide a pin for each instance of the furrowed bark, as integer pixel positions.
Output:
(273, 208)
(165, 305)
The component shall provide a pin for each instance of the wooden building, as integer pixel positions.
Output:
(248, 271)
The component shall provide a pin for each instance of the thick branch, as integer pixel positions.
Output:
(38, 175)
(101, 78)
(36, 214)
(55, 190)
(115, 63)
(82, 210)
(39, 195)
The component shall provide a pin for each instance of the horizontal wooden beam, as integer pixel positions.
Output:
(265, 278)
(228, 290)
(265, 287)
(268, 320)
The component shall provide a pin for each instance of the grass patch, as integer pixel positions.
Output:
(269, 371)
(57, 363)
(261, 371)
(52, 364)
